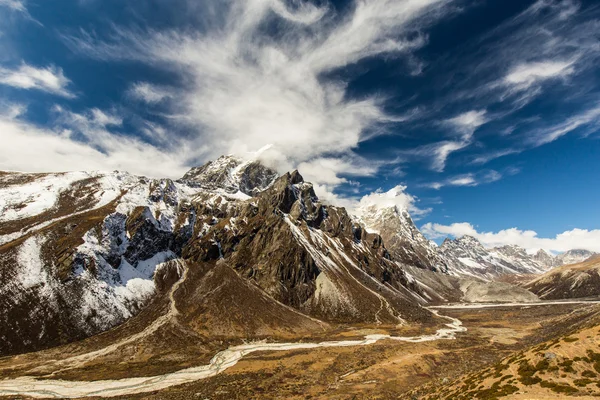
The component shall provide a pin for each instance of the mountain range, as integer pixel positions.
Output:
(255, 252)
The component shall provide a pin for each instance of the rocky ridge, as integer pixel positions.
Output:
(468, 257)
(84, 252)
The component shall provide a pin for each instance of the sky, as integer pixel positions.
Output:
(480, 117)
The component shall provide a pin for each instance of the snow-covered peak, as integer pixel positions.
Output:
(401, 237)
(573, 257)
(467, 256)
(232, 174)
(466, 243)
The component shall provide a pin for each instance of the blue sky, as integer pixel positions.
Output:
(480, 117)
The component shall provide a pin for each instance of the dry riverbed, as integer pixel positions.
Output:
(381, 368)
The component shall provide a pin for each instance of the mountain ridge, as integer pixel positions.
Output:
(93, 249)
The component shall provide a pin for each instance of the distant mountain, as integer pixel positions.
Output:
(572, 257)
(545, 259)
(466, 256)
(569, 281)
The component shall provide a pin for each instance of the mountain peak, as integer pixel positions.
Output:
(469, 241)
(573, 256)
(232, 174)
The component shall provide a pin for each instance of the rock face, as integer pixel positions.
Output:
(569, 281)
(402, 238)
(79, 252)
(467, 257)
(84, 252)
(545, 259)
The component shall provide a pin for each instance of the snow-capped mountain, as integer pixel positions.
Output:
(84, 252)
(466, 256)
(256, 253)
(575, 256)
(233, 175)
(402, 238)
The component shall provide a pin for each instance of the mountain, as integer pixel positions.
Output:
(545, 259)
(466, 256)
(79, 251)
(403, 239)
(256, 255)
(573, 257)
(232, 175)
(569, 281)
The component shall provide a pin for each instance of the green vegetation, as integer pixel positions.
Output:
(495, 392)
(589, 374)
(567, 366)
(595, 358)
(527, 372)
(570, 339)
(582, 382)
(557, 387)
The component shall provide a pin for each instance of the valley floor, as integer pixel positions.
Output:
(382, 369)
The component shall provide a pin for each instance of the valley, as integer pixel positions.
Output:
(375, 366)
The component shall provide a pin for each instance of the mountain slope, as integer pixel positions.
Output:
(79, 252)
(569, 281)
(84, 252)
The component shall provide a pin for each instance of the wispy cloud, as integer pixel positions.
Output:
(471, 179)
(149, 93)
(528, 239)
(244, 89)
(549, 134)
(523, 76)
(49, 79)
(464, 126)
(584, 122)
(16, 5)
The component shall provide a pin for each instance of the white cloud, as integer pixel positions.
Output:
(327, 170)
(465, 125)
(50, 79)
(470, 179)
(549, 134)
(243, 90)
(395, 197)
(523, 76)
(148, 92)
(16, 5)
(465, 180)
(568, 240)
(32, 149)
